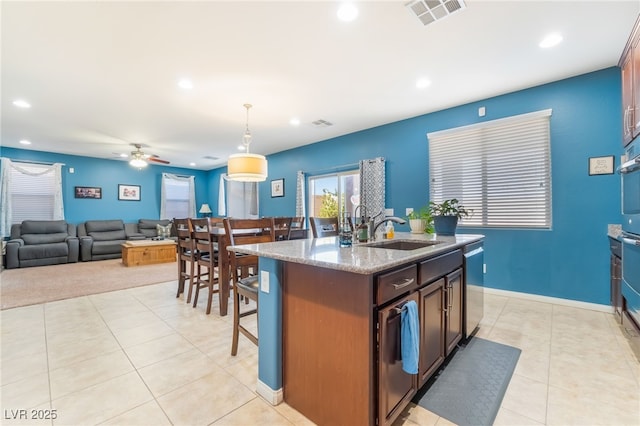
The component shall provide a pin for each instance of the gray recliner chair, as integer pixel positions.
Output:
(149, 227)
(41, 242)
(102, 239)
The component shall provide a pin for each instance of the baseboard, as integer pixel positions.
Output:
(273, 397)
(553, 300)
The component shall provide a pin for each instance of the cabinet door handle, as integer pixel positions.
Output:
(449, 295)
(402, 284)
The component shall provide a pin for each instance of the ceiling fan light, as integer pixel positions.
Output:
(138, 162)
(247, 167)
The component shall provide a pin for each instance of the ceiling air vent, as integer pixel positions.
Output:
(210, 157)
(321, 123)
(429, 11)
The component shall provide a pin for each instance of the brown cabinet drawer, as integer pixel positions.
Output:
(436, 267)
(396, 283)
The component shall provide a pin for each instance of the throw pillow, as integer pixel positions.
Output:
(163, 231)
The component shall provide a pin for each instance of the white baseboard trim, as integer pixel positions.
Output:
(273, 397)
(553, 300)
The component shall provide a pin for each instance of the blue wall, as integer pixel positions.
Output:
(569, 261)
(107, 174)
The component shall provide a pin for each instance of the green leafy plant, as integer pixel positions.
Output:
(329, 204)
(449, 207)
(424, 214)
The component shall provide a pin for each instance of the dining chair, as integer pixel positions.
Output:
(185, 255)
(282, 227)
(206, 258)
(244, 269)
(324, 226)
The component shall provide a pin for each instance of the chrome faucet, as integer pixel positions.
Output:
(394, 219)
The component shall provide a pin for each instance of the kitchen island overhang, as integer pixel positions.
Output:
(333, 291)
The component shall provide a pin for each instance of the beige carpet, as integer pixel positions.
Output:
(29, 286)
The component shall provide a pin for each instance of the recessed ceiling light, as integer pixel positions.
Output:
(123, 155)
(551, 40)
(423, 83)
(25, 142)
(347, 12)
(294, 121)
(241, 148)
(185, 84)
(192, 164)
(21, 103)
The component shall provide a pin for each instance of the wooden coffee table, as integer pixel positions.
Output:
(148, 252)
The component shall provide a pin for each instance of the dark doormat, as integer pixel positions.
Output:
(469, 389)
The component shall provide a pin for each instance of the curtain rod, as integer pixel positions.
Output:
(34, 162)
(332, 168)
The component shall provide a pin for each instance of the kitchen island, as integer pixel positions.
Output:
(329, 321)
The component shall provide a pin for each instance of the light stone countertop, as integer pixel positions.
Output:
(614, 230)
(360, 258)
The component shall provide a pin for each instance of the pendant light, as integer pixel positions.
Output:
(246, 167)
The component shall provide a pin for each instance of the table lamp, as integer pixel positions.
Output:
(205, 210)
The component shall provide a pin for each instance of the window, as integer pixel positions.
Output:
(242, 199)
(501, 169)
(30, 192)
(334, 193)
(178, 197)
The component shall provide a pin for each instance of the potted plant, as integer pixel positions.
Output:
(446, 215)
(420, 221)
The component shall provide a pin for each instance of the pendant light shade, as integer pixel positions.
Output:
(247, 167)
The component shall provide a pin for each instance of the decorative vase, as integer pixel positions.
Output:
(417, 226)
(445, 225)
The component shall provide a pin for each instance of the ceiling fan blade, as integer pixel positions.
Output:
(157, 160)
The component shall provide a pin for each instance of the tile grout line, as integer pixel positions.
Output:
(134, 367)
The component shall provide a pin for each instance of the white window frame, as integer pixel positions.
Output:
(30, 191)
(501, 169)
(178, 198)
(338, 176)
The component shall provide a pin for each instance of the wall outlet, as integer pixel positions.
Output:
(72, 170)
(408, 211)
(482, 112)
(264, 281)
(388, 212)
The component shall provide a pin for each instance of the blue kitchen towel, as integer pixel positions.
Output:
(410, 337)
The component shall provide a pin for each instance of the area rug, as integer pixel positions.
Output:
(39, 284)
(470, 388)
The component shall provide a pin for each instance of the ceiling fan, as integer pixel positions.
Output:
(139, 159)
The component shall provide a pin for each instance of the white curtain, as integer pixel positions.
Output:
(300, 197)
(372, 186)
(7, 187)
(222, 200)
(192, 194)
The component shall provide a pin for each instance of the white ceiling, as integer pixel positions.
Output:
(103, 75)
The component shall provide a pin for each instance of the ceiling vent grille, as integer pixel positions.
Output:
(321, 123)
(429, 11)
(210, 157)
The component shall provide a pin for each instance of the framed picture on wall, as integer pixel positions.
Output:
(129, 192)
(88, 192)
(601, 165)
(277, 188)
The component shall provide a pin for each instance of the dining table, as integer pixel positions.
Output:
(219, 236)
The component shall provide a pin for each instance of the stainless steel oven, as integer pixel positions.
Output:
(630, 175)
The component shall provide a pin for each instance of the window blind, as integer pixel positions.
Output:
(500, 169)
(33, 195)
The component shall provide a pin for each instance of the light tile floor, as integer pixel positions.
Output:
(143, 357)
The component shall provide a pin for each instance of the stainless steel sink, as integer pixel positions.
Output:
(403, 244)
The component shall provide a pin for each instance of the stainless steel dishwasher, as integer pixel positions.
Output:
(473, 287)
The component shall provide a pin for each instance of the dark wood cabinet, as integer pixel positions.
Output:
(453, 320)
(630, 67)
(397, 387)
(432, 329)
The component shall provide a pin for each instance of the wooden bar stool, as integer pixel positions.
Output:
(185, 255)
(206, 259)
(244, 268)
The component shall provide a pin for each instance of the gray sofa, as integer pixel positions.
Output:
(102, 239)
(149, 227)
(41, 242)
